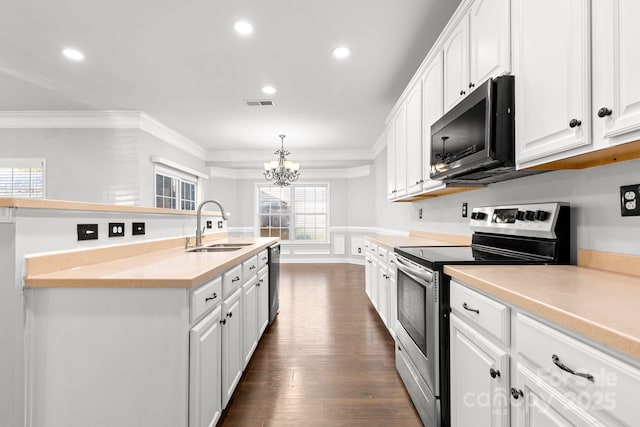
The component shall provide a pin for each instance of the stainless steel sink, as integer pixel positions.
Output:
(229, 245)
(215, 249)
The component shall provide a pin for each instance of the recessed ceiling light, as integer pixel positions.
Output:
(269, 90)
(243, 27)
(341, 52)
(72, 54)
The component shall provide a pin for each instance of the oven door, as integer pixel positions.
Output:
(418, 319)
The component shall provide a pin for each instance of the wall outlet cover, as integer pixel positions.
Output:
(137, 228)
(219, 224)
(116, 229)
(464, 210)
(87, 231)
(209, 224)
(630, 200)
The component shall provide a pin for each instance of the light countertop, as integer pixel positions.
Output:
(167, 268)
(600, 305)
(419, 238)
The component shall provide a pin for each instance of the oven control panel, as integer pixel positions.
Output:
(534, 219)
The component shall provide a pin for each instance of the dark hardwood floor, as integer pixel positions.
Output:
(327, 360)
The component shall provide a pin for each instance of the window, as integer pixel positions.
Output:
(175, 191)
(22, 178)
(297, 212)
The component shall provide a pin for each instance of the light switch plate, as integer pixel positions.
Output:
(630, 200)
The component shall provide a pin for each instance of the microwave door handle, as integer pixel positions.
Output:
(407, 269)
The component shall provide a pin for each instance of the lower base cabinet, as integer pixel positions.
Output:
(249, 319)
(263, 300)
(231, 345)
(205, 384)
(479, 379)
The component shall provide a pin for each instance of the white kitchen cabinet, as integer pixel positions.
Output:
(414, 139)
(231, 344)
(368, 275)
(476, 49)
(392, 303)
(479, 378)
(249, 319)
(551, 62)
(263, 300)
(616, 61)
(537, 404)
(456, 63)
(432, 110)
(397, 154)
(383, 292)
(205, 384)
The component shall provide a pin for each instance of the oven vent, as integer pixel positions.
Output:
(259, 102)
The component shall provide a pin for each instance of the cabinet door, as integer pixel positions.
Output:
(392, 305)
(383, 290)
(414, 139)
(479, 379)
(391, 160)
(368, 275)
(249, 319)
(616, 61)
(489, 40)
(456, 64)
(536, 404)
(401, 152)
(231, 345)
(374, 282)
(551, 62)
(205, 388)
(432, 110)
(263, 300)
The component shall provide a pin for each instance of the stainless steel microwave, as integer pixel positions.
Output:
(474, 142)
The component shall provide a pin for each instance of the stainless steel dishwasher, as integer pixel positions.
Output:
(274, 281)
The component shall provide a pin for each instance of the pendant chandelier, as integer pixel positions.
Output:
(282, 171)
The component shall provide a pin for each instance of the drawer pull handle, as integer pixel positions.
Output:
(494, 373)
(559, 364)
(235, 279)
(230, 314)
(466, 307)
(214, 296)
(223, 322)
(516, 393)
(252, 267)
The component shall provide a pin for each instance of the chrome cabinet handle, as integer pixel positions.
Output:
(466, 307)
(214, 296)
(556, 361)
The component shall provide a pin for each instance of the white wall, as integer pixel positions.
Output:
(594, 196)
(96, 165)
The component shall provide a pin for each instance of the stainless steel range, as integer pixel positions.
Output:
(518, 234)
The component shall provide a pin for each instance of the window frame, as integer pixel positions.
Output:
(180, 177)
(256, 216)
(27, 162)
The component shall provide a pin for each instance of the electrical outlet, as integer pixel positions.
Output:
(116, 229)
(87, 231)
(630, 200)
(209, 224)
(464, 210)
(137, 228)
(420, 213)
(219, 224)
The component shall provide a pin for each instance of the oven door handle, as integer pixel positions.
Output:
(409, 270)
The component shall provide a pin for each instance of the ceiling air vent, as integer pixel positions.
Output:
(259, 102)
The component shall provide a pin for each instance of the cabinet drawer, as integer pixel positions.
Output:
(263, 258)
(391, 261)
(374, 249)
(481, 311)
(204, 297)
(250, 267)
(382, 254)
(231, 279)
(611, 393)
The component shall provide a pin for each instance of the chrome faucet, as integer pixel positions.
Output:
(225, 215)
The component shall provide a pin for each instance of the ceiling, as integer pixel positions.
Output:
(182, 63)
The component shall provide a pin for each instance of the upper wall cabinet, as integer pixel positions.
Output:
(616, 61)
(570, 106)
(414, 139)
(397, 154)
(432, 110)
(551, 65)
(477, 48)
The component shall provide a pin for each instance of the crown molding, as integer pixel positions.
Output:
(260, 156)
(305, 174)
(99, 120)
